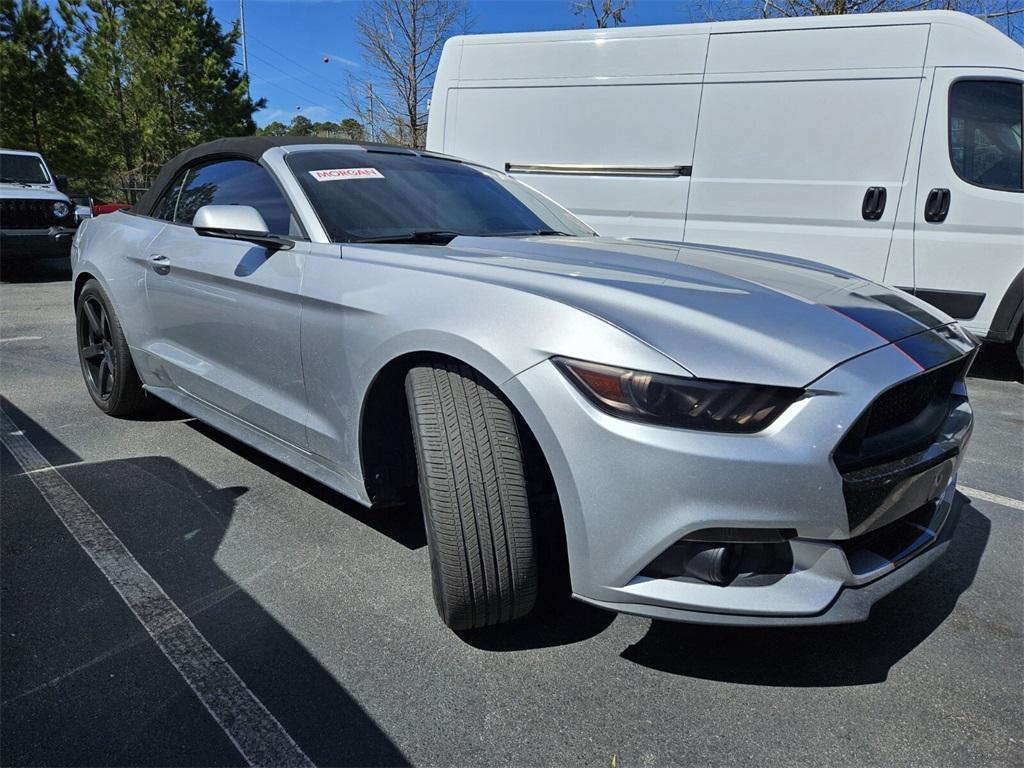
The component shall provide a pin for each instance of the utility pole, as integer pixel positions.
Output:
(245, 53)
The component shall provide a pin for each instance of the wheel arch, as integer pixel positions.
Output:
(1007, 321)
(80, 280)
(386, 455)
(388, 461)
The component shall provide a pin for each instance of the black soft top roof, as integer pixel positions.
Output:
(243, 147)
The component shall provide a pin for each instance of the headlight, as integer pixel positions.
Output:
(676, 401)
(61, 209)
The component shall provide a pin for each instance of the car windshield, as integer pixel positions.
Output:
(386, 196)
(22, 169)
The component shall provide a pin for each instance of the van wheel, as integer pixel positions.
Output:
(473, 493)
(107, 365)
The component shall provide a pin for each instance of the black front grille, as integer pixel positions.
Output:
(898, 541)
(878, 493)
(904, 402)
(903, 419)
(29, 214)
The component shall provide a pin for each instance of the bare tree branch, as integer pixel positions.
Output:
(1006, 15)
(401, 42)
(1001, 14)
(610, 13)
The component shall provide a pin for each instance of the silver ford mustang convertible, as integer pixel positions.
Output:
(731, 437)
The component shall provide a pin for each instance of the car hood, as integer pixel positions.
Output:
(720, 313)
(33, 192)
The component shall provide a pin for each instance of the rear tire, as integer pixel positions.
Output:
(473, 493)
(107, 366)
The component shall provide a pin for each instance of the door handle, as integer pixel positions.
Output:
(161, 264)
(874, 204)
(936, 206)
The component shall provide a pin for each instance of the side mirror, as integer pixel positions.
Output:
(238, 222)
(61, 182)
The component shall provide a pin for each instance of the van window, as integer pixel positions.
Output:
(985, 133)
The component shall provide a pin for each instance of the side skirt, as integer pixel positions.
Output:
(264, 442)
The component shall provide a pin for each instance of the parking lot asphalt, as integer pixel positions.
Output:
(323, 612)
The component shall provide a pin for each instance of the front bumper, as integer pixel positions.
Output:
(630, 491)
(851, 604)
(18, 244)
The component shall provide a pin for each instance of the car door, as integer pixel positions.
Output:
(225, 313)
(969, 212)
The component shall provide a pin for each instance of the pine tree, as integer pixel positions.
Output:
(300, 126)
(157, 77)
(36, 89)
(276, 128)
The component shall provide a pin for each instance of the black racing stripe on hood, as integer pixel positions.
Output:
(937, 346)
(886, 312)
(889, 323)
(899, 302)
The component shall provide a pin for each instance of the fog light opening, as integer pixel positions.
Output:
(715, 564)
(757, 559)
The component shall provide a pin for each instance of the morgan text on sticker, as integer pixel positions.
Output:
(333, 174)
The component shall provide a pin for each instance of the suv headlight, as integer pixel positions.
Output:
(61, 209)
(677, 401)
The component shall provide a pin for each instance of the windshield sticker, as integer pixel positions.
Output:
(337, 174)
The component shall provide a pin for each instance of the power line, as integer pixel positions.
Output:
(301, 66)
(290, 76)
(282, 88)
(283, 56)
(293, 77)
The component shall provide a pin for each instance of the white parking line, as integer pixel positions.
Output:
(250, 726)
(995, 498)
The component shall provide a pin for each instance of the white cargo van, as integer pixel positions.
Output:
(885, 144)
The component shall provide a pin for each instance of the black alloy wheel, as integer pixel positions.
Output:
(96, 347)
(107, 365)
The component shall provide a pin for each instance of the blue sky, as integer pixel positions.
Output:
(288, 40)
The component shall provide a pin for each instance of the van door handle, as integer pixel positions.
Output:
(161, 264)
(936, 206)
(874, 204)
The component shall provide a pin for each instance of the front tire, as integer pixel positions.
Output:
(473, 492)
(107, 366)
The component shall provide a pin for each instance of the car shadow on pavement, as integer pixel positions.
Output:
(34, 271)
(841, 655)
(998, 362)
(402, 524)
(156, 409)
(557, 619)
(83, 682)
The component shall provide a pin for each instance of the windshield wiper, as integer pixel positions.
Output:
(429, 236)
(19, 181)
(532, 233)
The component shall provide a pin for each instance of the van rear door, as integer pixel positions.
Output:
(969, 211)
